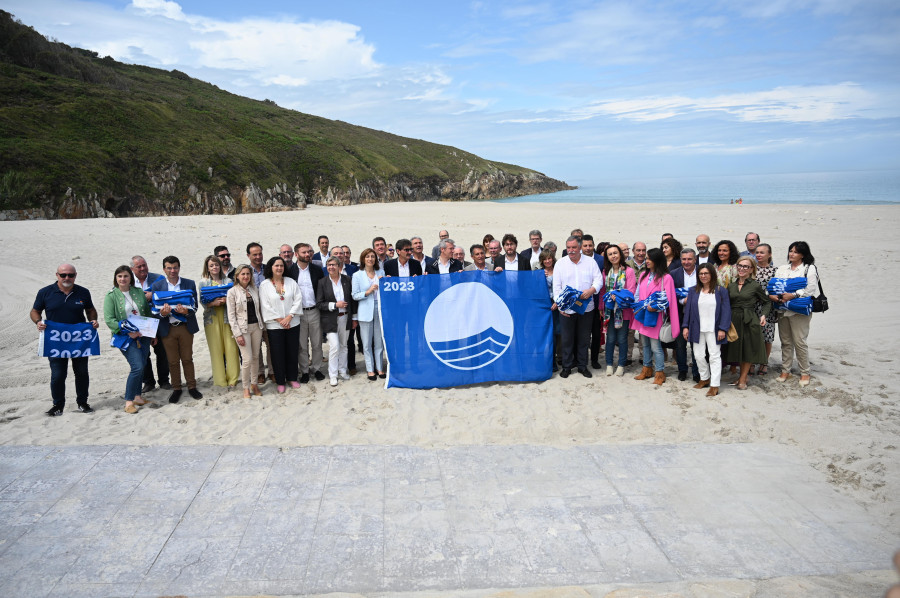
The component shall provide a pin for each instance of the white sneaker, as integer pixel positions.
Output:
(333, 381)
(620, 371)
(345, 376)
(609, 370)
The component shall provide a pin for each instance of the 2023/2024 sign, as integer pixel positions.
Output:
(68, 340)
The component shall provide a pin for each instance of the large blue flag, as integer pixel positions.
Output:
(467, 327)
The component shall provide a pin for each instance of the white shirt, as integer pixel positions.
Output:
(706, 307)
(304, 281)
(702, 260)
(274, 308)
(534, 258)
(512, 265)
(403, 269)
(175, 287)
(338, 289)
(586, 273)
(444, 268)
(690, 280)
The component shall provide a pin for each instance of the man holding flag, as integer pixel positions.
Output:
(583, 275)
(66, 303)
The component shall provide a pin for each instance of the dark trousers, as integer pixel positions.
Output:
(162, 366)
(285, 346)
(351, 348)
(575, 338)
(59, 370)
(681, 349)
(596, 334)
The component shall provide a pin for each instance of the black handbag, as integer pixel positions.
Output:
(819, 302)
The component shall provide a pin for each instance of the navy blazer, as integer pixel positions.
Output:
(678, 278)
(433, 267)
(186, 285)
(392, 267)
(691, 321)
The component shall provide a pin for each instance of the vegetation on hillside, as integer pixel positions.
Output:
(71, 119)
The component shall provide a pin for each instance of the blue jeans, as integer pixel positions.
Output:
(59, 369)
(137, 359)
(617, 337)
(653, 351)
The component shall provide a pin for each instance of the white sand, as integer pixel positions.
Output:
(846, 423)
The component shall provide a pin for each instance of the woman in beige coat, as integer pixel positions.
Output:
(242, 304)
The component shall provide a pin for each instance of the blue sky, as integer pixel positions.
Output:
(582, 91)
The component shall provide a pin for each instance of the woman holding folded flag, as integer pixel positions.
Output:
(124, 300)
(793, 327)
(746, 295)
(655, 294)
(223, 351)
(618, 277)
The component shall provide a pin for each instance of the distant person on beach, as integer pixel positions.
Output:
(224, 256)
(436, 250)
(177, 334)
(246, 322)
(124, 300)
(143, 278)
(751, 240)
(655, 278)
(707, 318)
(66, 303)
(581, 274)
(793, 328)
(702, 245)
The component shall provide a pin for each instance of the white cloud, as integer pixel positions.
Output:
(796, 104)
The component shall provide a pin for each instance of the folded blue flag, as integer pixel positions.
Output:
(800, 305)
(780, 286)
(570, 298)
(624, 297)
(658, 301)
(122, 340)
(173, 298)
(682, 292)
(210, 294)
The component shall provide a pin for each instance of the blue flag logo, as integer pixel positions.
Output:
(467, 327)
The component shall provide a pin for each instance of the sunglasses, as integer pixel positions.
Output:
(224, 255)
(66, 274)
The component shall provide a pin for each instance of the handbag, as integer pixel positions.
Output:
(732, 334)
(665, 332)
(820, 301)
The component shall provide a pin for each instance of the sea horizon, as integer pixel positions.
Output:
(868, 187)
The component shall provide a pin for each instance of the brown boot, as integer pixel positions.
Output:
(659, 378)
(713, 391)
(646, 372)
(702, 384)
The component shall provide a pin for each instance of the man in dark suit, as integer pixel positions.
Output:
(511, 260)
(445, 263)
(349, 265)
(144, 278)
(402, 265)
(308, 277)
(418, 254)
(686, 276)
(178, 336)
(323, 254)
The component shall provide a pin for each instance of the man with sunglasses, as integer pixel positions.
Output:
(403, 265)
(67, 303)
(224, 256)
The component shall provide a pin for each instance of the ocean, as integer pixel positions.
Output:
(878, 187)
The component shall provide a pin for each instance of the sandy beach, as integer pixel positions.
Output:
(846, 424)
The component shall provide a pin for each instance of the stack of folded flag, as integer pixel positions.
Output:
(210, 294)
(570, 298)
(173, 298)
(624, 299)
(780, 286)
(658, 301)
(121, 340)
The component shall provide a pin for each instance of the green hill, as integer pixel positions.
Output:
(82, 135)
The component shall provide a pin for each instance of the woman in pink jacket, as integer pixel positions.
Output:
(617, 276)
(655, 278)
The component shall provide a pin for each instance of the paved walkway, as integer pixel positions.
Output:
(212, 520)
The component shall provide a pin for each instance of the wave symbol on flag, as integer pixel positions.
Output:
(472, 352)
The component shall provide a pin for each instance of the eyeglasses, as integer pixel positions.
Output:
(743, 266)
(224, 255)
(66, 274)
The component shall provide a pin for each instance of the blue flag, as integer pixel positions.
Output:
(68, 340)
(467, 327)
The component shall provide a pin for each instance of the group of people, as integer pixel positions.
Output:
(711, 300)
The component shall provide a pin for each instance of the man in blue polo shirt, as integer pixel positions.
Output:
(67, 303)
